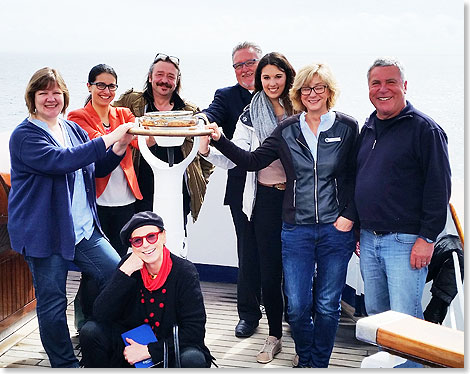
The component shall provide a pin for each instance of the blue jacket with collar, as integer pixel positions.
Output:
(42, 181)
(403, 178)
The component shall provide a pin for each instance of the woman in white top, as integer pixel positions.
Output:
(264, 190)
(117, 192)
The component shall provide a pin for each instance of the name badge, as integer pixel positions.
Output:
(332, 140)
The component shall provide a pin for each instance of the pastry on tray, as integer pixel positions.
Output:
(161, 122)
(168, 119)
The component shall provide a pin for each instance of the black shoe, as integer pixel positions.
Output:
(244, 328)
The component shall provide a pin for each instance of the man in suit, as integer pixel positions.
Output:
(225, 109)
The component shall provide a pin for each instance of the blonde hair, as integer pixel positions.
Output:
(42, 80)
(305, 75)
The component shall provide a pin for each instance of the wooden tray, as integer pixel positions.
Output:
(172, 132)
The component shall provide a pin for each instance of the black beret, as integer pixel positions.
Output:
(138, 220)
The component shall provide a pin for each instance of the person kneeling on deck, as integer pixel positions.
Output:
(150, 286)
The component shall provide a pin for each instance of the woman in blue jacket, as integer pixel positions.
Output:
(52, 204)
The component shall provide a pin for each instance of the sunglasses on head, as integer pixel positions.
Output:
(151, 238)
(164, 57)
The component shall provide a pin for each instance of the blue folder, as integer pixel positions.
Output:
(142, 334)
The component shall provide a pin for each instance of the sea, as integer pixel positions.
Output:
(435, 86)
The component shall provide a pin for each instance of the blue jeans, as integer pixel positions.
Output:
(307, 249)
(95, 257)
(390, 283)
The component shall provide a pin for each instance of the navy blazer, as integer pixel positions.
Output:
(225, 110)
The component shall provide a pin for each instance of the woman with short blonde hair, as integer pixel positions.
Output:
(304, 76)
(317, 150)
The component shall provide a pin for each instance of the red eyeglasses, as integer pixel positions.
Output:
(151, 238)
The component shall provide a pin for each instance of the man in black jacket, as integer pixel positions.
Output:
(225, 109)
(402, 192)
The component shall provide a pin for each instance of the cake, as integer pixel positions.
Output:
(168, 119)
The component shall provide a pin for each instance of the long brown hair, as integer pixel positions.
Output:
(280, 61)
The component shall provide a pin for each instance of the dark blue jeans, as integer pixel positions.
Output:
(95, 257)
(307, 249)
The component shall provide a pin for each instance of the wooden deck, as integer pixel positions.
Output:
(23, 349)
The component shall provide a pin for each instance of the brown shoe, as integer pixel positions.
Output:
(295, 361)
(272, 346)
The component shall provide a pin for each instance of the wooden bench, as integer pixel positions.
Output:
(413, 338)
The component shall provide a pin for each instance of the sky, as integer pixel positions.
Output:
(205, 26)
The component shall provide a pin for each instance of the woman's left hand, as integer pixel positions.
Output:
(135, 352)
(133, 263)
(343, 224)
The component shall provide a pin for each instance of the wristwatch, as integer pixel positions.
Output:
(204, 154)
(427, 240)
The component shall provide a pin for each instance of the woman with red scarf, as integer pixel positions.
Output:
(150, 286)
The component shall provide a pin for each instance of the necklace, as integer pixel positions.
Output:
(107, 127)
(152, 276)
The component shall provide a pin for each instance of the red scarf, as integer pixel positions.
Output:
(154, 284)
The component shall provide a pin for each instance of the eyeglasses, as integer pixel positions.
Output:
(248, 63)
(151, 238)
(164, 57)
(102, 86)
(317, 89)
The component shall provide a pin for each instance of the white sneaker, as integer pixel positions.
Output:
(272, 346)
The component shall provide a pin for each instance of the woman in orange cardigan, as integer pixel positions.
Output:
(117, 192)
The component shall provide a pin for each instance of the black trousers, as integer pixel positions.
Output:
(249, 278)
(112, 220)
(99, 349)
(267, 226)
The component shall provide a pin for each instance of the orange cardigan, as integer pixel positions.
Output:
(90, 121)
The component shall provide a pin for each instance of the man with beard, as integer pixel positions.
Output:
(161, 93)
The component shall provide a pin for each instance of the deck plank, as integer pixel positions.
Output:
(23, 349)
